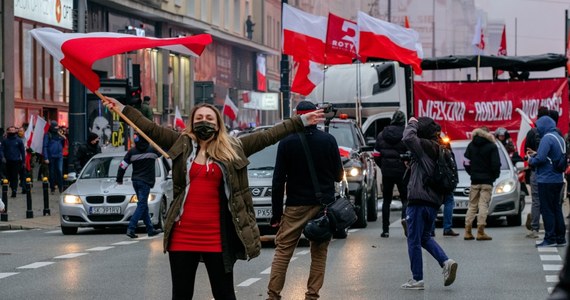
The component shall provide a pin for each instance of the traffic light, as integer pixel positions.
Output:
(133, 94)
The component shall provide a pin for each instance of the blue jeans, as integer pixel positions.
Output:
(420, 220)
(448, 203)
(55, 173)
(551, 210)
(142, 190)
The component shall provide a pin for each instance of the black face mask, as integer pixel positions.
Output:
(11, 134)
(204, 130)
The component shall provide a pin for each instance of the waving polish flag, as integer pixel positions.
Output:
(382, 39)
(230, 109)
(526, 125)
(78, 51)
(261, 71)
(178, 121)
(340, 45)
(304, 34)
(309, 74)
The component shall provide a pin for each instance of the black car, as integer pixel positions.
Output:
(359, 168)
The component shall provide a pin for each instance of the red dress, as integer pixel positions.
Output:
(199, 226)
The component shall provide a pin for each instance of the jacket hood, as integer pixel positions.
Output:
(481, 136)
(545, 125)
(393, 134)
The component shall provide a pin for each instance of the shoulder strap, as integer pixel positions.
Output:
(311, 165)
(562, 145)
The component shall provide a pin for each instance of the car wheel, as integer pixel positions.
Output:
(68, 230)
(372, 203)
(360, 202)
(516, 219)
(162, 214)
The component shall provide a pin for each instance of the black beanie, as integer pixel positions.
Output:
(305, 107)
(554, 115)
(398, 118)
(92, 136)
(427, 128)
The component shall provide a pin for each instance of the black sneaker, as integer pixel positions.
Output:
(13, 194)
(385, 234)
(132, 235)
(155, 232)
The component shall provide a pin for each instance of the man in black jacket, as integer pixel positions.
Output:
(483, 164)
(86, 151)
(292, 169)
(143, 157)
(387, 151)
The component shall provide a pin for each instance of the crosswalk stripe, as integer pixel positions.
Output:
(7, 274)
(551, 257)
(71, 255)
(100, 248)
(36, 265)
(249, 282)
(552, 267)
(551, 278)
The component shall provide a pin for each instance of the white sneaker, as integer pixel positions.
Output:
(533, 234)
(413, 285)
(449, 272)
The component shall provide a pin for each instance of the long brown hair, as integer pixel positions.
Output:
(221, 147)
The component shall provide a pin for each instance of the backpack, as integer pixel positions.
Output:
(559, 165)
(444, 178)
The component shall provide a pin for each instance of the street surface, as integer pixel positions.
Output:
(44, 264)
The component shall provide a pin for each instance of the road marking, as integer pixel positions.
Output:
(124, 243)
(266, 271)
(303, 252)
(552, 267)
(12, 231)
(8, 274)
(100, 248)
(249, 282)
(71, 255)
(36, 265)
(551, 278)
(551, 257)
(353, 230)
(54, 231)
(547, 249)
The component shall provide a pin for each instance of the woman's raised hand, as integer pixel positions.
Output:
(111, 103)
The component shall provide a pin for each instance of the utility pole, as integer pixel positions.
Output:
(285, 88)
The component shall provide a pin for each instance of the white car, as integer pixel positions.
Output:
(96, 200)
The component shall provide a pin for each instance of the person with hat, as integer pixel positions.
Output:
(292, 173)
(86, 151)
(53, 155)
(421, 138)
(13, 154)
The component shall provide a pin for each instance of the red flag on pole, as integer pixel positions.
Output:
(406, 22)
(261, 73)
(340, 47)
(307, 77)
(230, 108)
(78, 51)
(502, 47)
(304, 34)
(178, 121)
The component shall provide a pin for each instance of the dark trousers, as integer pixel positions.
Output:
(388, 183)
(13, 168)
(183, 266)
(549, 195)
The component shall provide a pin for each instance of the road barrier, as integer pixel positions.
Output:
(45, 185)
(29, 211)
(4, 215)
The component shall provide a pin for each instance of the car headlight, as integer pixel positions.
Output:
(504, 187)
(71, 199)
(135, 199)
(353, 172)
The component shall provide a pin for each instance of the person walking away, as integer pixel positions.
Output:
(387, 155)
(550, 182)
(292, 171)
(143, 158)
(53, 156)
(211, 218)
(420, 137)
(531, 143)
(483, 165)
(13, 155)
(145, 108)
(86, 151)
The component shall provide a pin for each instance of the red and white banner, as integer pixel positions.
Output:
(386, 40)
(261, 73)
(78, 51)
(308, 75)
(461, 107)
(178, 121)
(230, 109)
(37, 139)
(341, 38)
(304, 34)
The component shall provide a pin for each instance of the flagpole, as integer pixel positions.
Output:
(140, 132)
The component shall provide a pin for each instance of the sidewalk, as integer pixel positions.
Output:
(17, 210)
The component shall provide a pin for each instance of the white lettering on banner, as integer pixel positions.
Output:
(442, 110)
(530, 106)
(343, 45)
(493, 110)
(52, 12)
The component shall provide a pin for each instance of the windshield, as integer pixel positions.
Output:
(264, 159)
(107, 167)
(343, 135)
(460, 159)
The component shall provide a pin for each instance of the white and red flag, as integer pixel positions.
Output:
(304, 34)
(478, 37)
(340, 47)
(502, 47)
(230, 109)
(308, 75)
(78, 51)
(37, 139)
(261, 73)
(386, 40)
(178, 121)
(525, 126)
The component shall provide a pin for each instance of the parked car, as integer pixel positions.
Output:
(360, 168)
(507, 199)
(96, 200)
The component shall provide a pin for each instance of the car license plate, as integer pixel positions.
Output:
(263, 212)
(461, 204)
(109, 210)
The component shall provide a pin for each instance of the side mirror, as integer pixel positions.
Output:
(519, 166)
(72, 176)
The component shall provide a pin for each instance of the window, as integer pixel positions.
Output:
(227, 14)
(58, 82)
(184, 87)
(17, 62)
(237, 17)
(216, 12)
(204, 10)
(28, 61)
(39, 72)
(191, 8)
